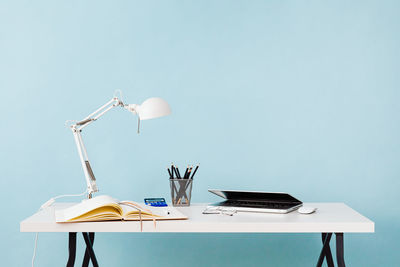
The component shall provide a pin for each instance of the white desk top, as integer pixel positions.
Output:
(329, 218)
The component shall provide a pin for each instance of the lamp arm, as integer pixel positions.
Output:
(87, 169)
(114, 102)
(77, 129)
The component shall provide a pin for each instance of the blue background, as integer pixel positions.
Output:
(296, 96)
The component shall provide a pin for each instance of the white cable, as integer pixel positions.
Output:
(34, 250)
(47, 204)
(75, 195)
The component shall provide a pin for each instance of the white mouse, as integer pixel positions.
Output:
(306, 210)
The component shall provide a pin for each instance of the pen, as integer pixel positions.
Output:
(169, 172)
(195, 170)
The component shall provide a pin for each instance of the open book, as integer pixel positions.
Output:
(106, 208)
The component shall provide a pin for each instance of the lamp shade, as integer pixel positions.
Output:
(152, 108)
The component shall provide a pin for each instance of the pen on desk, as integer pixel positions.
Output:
(195, 170)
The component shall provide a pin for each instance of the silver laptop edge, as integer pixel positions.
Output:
(247, 209)
(243, 209)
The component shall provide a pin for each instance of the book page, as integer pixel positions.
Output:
(132, 209)
(98, 208)
(168, 213)
(150, 213)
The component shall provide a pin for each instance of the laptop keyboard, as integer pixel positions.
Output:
(257, 204)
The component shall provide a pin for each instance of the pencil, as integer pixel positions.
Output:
(195, 170)
(178, 173)
(172, 170)
(189, 171)
(184, 176)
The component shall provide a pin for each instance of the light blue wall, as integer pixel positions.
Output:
(296, 96)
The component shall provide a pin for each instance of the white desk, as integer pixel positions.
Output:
(329, 218)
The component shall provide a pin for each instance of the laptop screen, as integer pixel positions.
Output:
(255, 196)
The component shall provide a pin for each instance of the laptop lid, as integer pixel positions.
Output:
(269, 197)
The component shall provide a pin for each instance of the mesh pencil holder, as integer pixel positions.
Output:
(181, 191)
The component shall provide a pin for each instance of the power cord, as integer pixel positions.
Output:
(34, 250)
(45, 205)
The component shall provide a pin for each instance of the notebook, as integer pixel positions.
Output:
(106, 208)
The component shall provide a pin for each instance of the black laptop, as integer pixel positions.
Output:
(257, 201)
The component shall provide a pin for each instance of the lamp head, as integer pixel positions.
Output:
(151, 108)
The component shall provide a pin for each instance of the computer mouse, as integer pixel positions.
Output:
(306, 210)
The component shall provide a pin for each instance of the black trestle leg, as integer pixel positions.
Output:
(329, 258)
(90, 249)
(71, 249)
(340, 250)
(86, 258)
(324, 250)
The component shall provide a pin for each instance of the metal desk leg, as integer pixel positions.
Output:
(89, 248)
(329, 258)
(324, 251)
(71, 249)
(340, 250)
(86, 258)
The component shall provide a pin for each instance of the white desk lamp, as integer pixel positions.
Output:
(154, 107)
